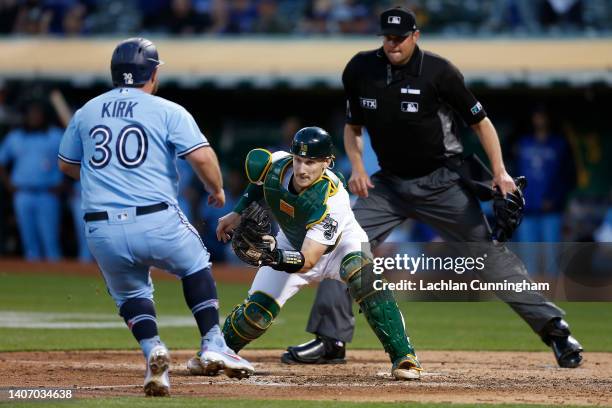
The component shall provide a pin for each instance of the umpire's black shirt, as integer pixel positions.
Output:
(408, 109)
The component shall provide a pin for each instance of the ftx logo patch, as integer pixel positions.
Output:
(368, 103)
(410, 107)
(476, 108)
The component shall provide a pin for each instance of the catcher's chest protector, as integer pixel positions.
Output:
(296, 213)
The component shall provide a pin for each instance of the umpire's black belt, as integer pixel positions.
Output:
(147, 209)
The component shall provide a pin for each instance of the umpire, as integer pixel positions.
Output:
(406, 99)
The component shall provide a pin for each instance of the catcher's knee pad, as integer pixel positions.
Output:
(378, 306)
(249, 320)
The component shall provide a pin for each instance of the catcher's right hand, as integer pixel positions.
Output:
(252, 241)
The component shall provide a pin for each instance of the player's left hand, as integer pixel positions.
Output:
(504, 182)
(216, 199)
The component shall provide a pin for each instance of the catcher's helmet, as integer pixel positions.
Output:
(312, 142)
(133, 62)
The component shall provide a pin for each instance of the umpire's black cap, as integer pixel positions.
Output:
(397, 21)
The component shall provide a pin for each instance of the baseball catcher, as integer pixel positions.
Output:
(319, 238)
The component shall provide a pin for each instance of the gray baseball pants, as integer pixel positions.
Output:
(440, 200)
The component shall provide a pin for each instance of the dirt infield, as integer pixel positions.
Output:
(459, 377)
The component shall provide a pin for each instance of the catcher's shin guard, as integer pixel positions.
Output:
(378, 306)
(249, 320)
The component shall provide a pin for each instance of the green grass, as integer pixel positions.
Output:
(432, 325)
(240, 403)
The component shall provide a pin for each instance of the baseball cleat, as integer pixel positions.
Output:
(407, 368)
(215, 356)
(211, 362)
(195, 367)
(567, 352)
(157, 383)
(322, 350)
(556, 334)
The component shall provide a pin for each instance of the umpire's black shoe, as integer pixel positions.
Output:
(322, 350)
(556, 334)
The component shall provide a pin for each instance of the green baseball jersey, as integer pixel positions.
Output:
(270, 176)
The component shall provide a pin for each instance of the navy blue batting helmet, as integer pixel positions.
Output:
(133, 62)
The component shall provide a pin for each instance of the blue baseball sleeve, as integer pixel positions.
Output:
(184, 134)
(71, 146)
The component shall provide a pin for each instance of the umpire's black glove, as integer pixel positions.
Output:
(508, 210)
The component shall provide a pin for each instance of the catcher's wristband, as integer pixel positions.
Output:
(288, 260)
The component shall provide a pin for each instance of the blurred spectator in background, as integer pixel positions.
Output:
(35, 180)
(114, 17)
(562, 14)
(512, 15)
(67, 16)
(343, 17)
(350, 18)
(544, 157)
(73, 20)
(269, 21)
(316, 14)
(181, 18)
(592, 151)
(8, 15)
(32, 18)
(241, 16)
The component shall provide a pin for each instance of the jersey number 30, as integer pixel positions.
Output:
(103, 137)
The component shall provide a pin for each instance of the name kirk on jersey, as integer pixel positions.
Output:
(118, 109)
(450, 285)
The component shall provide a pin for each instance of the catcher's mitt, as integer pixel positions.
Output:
(251, 240)
(508, 210)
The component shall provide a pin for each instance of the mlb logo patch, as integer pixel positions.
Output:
(122, 216)
(394, 20)
(410, 107)
(368, 103)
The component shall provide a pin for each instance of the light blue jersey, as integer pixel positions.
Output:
(34, 174)
(126, 142)
(33, 155)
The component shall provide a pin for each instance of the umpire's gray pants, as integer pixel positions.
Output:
(441, 201)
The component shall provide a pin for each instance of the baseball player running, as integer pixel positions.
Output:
(318, 238)
(123, 145)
